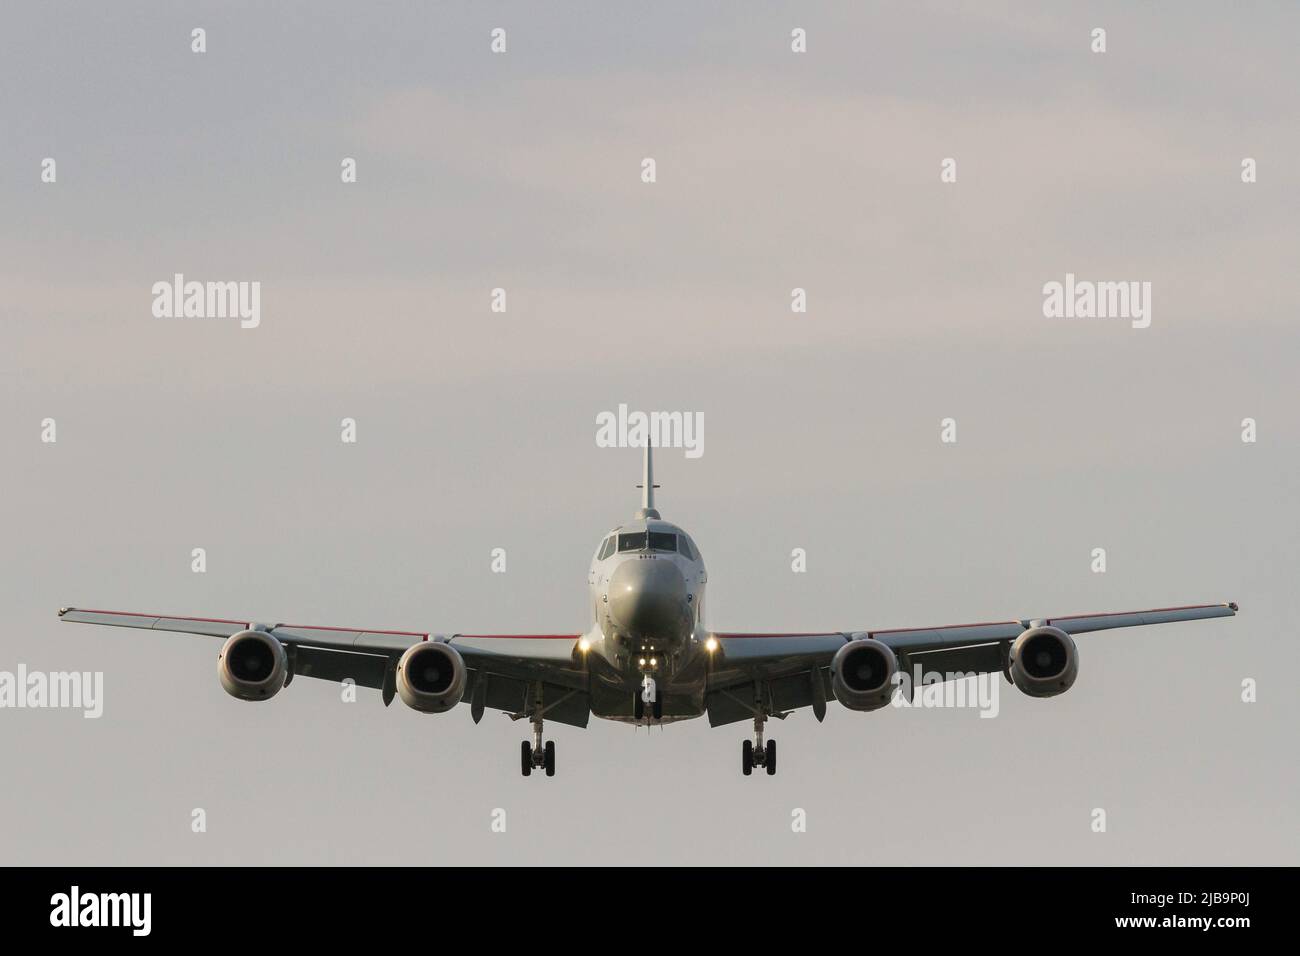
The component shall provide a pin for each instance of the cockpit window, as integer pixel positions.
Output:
(662, 541)
(606, 548)
(657, 541)
(632, 542)
(685, 547)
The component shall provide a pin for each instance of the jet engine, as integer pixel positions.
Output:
(862, 674)
(1044, 662)
(252, 665)
(431, 677)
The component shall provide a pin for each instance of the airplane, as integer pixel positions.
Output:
(647, 659)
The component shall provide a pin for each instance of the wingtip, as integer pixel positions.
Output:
(64, 610)
(1233, 605)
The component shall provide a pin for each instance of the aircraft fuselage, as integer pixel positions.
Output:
(647, 584)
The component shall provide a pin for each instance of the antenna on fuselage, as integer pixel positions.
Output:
(648, 485)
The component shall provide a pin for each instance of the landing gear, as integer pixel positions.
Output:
(537, 756)
(753, 753)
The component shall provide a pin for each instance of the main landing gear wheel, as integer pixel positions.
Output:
(638, 708)
(537, 755)
(657, 708)
(754, 753)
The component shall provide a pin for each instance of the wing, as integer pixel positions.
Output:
(506, 671)
(782, 672)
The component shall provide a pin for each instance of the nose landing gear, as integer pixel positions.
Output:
(753, 753)
(649, 695)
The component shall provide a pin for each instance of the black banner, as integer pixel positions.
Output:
(363, 904)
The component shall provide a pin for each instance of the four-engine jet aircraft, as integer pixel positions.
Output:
(648, 658)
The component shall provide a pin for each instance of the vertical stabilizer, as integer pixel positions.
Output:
(648, 485)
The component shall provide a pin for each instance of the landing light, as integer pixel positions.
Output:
(711, 645)
(584, 645)
(643, 662)
(653, 662)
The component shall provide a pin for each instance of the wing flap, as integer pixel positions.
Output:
(743, 658)
(972, 659)
(541, 657)
(562, 704)
(365, 670)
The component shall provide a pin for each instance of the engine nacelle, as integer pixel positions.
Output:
(862, 674)
(431, 677)
(1044, 662)
(252, 665)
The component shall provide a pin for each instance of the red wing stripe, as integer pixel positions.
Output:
(804, 634)
(165, 617)
(521, 637)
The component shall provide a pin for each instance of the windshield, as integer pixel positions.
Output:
(662, 541)
(637, 541)
(632, 542)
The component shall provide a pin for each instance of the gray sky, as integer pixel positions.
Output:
(476, 430)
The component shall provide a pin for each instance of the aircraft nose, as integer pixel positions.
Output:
(647, 598)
